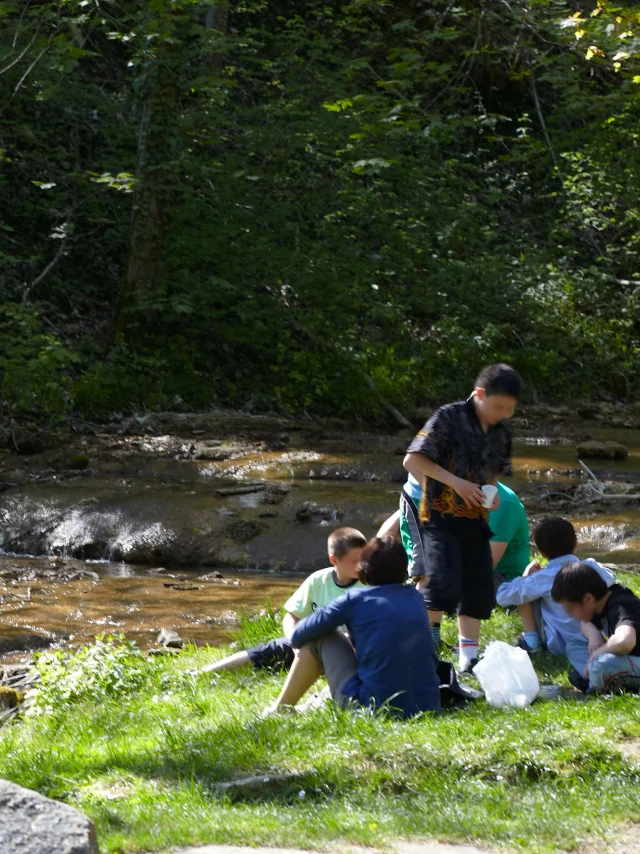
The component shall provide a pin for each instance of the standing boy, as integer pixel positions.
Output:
(612, 611)
(509, 544)
(462, 447)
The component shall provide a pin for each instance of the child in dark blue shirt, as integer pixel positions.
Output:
(393, 663)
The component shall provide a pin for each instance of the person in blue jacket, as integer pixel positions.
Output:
(390, 658)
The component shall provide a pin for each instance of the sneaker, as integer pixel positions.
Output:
(469, 667)
(318, 700)
(578, 680)
(274, 710)
(522, 644)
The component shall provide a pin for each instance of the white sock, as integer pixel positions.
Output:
(468, 650)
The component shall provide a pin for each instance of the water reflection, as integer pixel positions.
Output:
(129, 600)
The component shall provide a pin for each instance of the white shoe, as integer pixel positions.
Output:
(316, 701)
(274, 709)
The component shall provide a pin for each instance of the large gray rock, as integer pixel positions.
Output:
(594, 450)
(33, 824)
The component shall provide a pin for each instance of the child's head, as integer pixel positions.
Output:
(383, 561)
(555, 537)
(578, 587)
(497, 392)
(345, 549)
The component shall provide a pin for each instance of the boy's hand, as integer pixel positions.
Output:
(595, 654)
(534, 566)
(470, 493)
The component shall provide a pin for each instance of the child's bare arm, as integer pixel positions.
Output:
(421, 466)
(593, 636)
(391, 527)
(289, 622)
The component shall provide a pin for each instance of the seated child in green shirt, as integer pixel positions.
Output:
(319, 589)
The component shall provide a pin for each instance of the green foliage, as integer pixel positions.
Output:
(264, 203)
(109, 668)
(35, 367)
(258, 628)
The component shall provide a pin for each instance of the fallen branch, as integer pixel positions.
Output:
(621, 496)
(259, 782)
(242, 489)
(594, 482)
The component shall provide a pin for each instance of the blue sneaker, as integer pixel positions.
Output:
(522, 643)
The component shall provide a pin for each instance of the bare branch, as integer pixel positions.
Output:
(33, 65)
(39, 278)
(19, 57)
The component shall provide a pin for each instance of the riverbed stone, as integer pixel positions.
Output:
(170, 639)
(26, 642)
(33, 824)
(596, 450)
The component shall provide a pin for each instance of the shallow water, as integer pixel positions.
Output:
(129, 600)
(178, 508)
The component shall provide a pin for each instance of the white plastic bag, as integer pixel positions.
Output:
(507, 676)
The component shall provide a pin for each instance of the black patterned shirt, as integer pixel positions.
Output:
(454, 439)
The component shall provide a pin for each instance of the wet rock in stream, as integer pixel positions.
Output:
(57, 574)
(312, 512)
(26, 642)
(244, 530)
(170, 639)
(212, 576)
(595, 450)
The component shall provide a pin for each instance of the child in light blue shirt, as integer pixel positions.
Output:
(556, 540)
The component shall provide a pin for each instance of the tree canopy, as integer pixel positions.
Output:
(315, 206)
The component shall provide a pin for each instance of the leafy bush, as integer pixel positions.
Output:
(35, 367)
(109, 668)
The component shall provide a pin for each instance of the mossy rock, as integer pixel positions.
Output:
(244, 530)
(10, 698)
(80, 462)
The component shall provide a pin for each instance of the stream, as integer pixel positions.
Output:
(135, 533)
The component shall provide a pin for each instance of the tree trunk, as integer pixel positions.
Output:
(149, 227)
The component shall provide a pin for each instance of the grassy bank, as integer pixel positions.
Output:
(143, 746)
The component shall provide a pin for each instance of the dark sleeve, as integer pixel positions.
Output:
(434, 439)
(628, 614)
(322, 621)
(505, 455)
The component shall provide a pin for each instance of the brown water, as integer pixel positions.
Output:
(125, 599)
(177, 509)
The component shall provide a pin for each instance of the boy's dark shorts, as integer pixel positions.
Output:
(273, 655)
(499, 578)
(460, 573)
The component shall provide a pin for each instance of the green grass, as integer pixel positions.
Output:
(143, 758)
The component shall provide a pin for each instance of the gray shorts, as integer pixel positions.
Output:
(338, 660)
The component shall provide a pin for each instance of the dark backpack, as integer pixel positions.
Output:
(452, 693)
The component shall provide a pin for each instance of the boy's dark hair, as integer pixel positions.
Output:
(499, 379)
(342, 540)
(575, 580)
(383, 561)
(555, 536)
